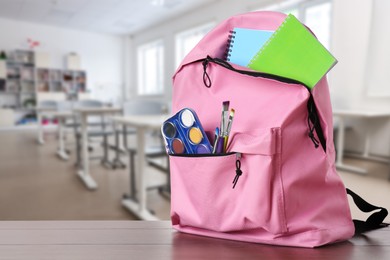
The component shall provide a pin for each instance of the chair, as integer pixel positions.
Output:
(43, 107)
(47, 105)
(135, 107)
(64, 106)
(144, 107)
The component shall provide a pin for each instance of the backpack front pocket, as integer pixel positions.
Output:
(202, 187)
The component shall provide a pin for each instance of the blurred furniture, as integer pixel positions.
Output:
(26, 74)
(136, 203)
(73, 61)
(85, 109)
(20, 80)
(139, 107)
(157, 240)
(45, 109)
(64, 114)
(7, 117)
(341, 116)
(84, 96)
(61, 111)
(154, 150)
(3, 69)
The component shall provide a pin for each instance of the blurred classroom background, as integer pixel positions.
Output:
(78, 78)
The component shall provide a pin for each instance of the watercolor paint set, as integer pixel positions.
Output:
(184, 134)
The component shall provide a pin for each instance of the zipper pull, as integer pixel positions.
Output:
(312, 118)
(238, 169)
(206, 77)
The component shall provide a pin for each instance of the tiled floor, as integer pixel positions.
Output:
(36, 185)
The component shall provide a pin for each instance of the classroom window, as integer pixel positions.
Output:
(186, 40)
(317, 17)
(315, 14)
(151, 68)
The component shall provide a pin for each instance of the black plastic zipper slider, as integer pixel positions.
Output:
(238, 170)
(206, 77)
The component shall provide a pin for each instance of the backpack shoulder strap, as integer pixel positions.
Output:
(374, 221)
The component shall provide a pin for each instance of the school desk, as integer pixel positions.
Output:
(342, 115)
(84, 113)
(157, 240)
(141, 125)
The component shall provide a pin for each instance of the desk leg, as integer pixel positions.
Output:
(340, 151)
(367, 144)
(140, 208)
(40, 129)
(117, 163)
(366, 153)
(61, 145)
(83, 173)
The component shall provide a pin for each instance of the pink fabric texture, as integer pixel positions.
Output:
(289, 193)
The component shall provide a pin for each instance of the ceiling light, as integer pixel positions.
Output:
(165, 3)
(158, 2)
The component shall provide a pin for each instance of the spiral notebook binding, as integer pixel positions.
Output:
(229, 45)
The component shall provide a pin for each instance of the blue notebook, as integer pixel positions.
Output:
(244, 44)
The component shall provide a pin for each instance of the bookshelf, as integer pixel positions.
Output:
(21, 81)
(74, 82)
(19, 87)
(70, 82)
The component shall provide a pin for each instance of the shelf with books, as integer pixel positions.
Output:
(22, 80)
(74, 82)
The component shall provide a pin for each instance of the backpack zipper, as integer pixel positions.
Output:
(245, 72)
(202, 154)
(312, 121)
(238, 170)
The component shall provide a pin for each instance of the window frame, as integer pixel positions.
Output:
(188, 32)
(301, 6)
(141, 76)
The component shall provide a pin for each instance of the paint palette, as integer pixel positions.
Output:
(184, 134)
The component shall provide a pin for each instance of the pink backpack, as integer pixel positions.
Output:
(281, 150)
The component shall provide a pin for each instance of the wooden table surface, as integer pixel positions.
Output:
(157, 240)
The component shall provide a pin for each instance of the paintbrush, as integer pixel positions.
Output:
(228, 128)
(225, 110)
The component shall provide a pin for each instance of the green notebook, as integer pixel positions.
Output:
(293, 52)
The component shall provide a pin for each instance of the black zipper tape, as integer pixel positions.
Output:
(202, 155)
(247, 72)
(238, 171)
(313, 118)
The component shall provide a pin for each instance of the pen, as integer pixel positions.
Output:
(216, 140)
(220, 145)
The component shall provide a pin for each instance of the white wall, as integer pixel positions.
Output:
(101, 55)
(214, 12)
(352, 35)
(351, 28)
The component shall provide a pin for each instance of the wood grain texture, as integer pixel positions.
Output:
(157, 240)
